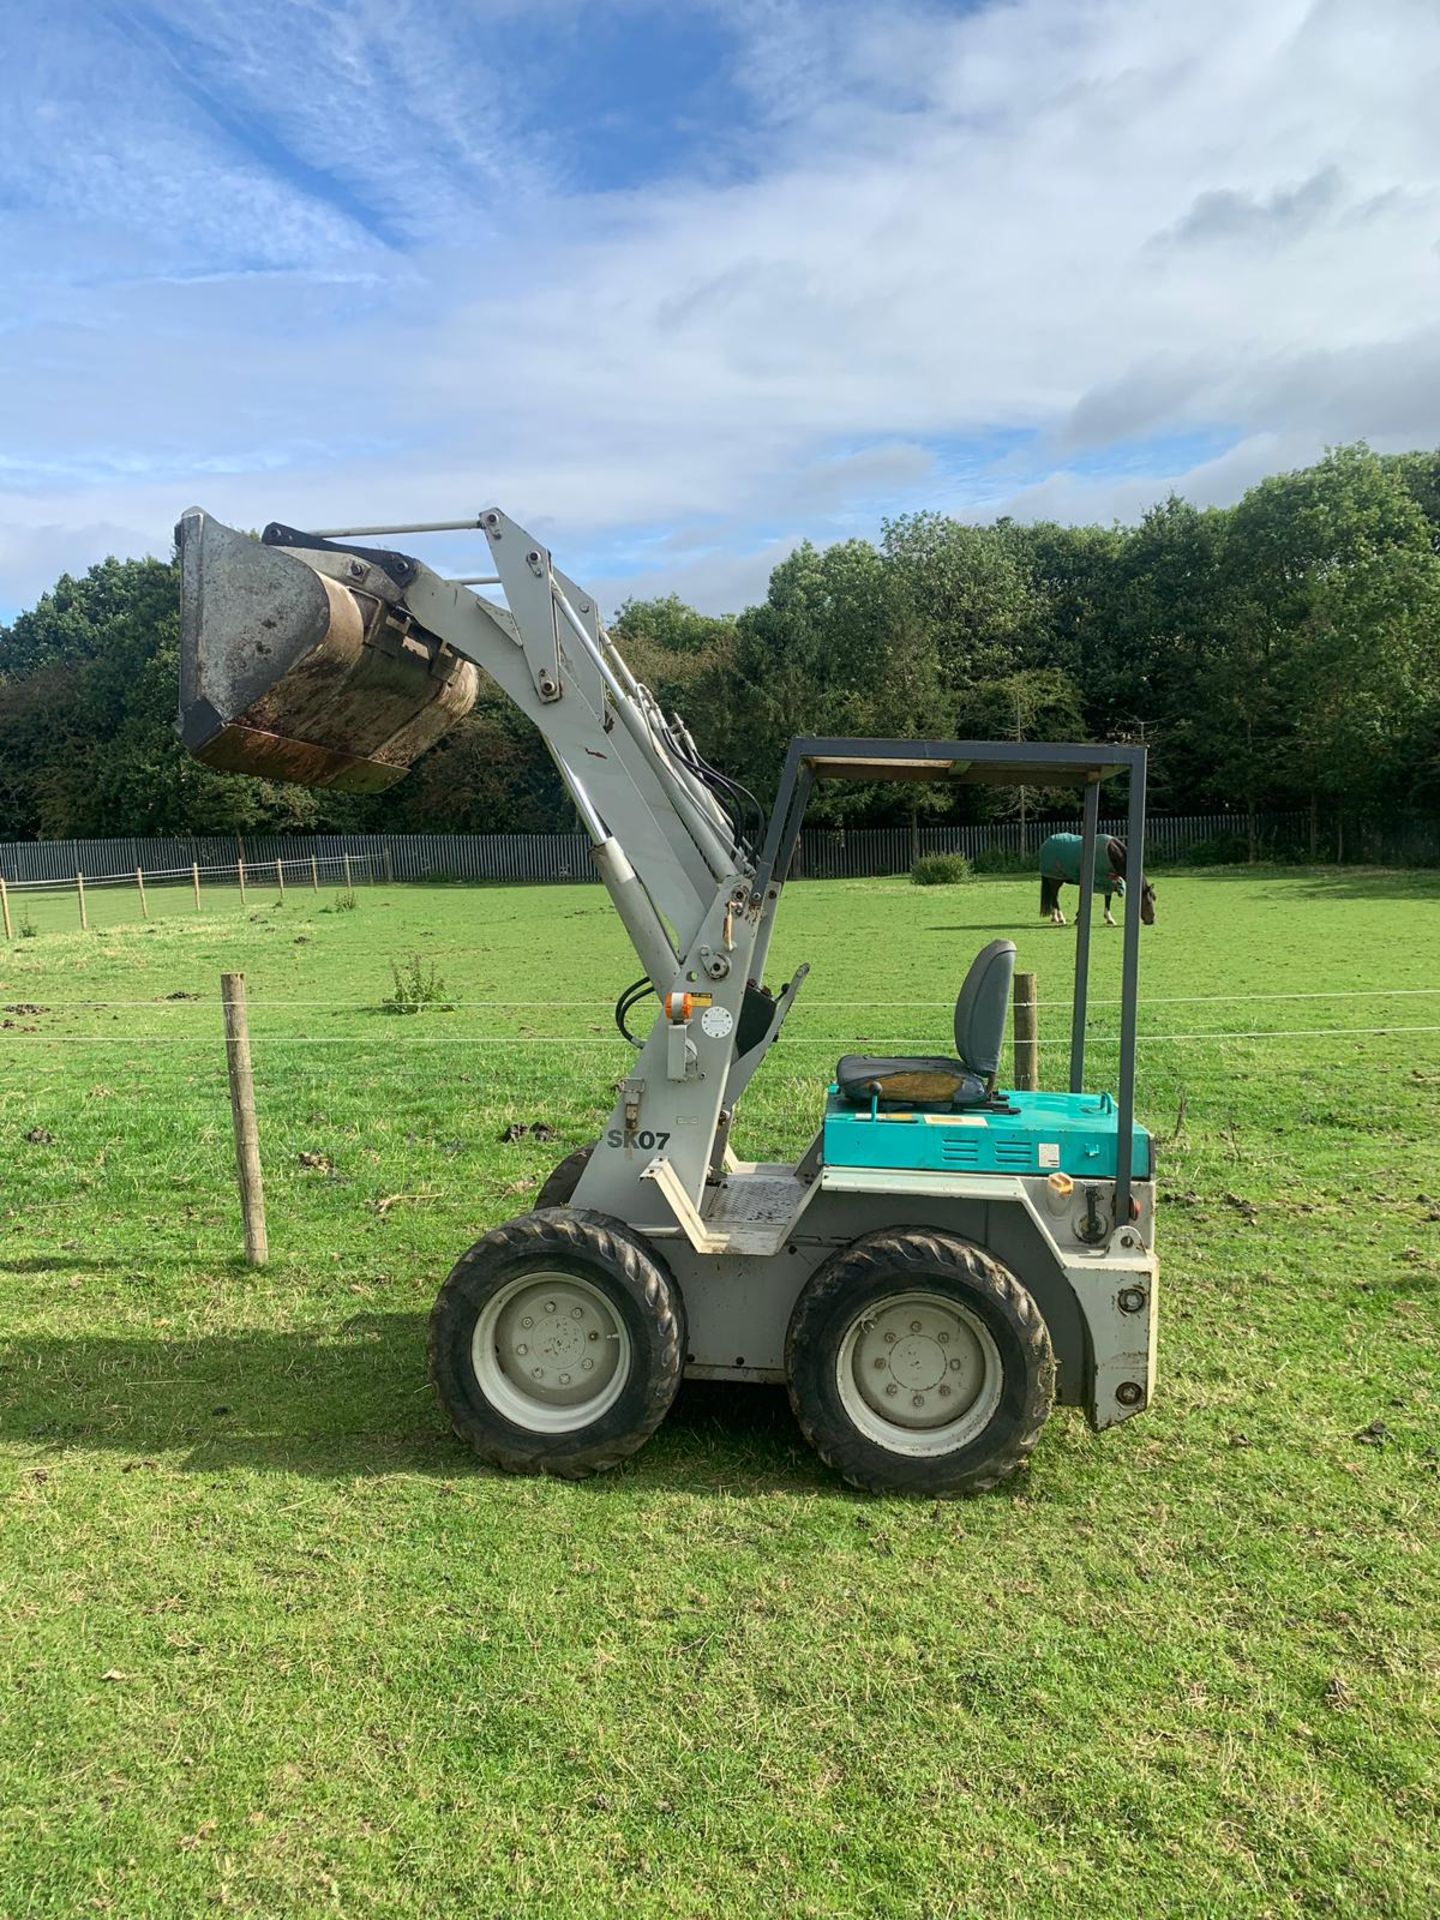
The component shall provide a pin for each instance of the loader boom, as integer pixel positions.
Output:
(311, 659)
(620, 759)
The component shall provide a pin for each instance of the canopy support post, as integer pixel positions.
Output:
(1130, 987)
(1082, 936)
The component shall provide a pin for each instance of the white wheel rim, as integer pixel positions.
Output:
(919, 1374)
(550, 1352)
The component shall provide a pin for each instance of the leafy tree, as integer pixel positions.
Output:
(972, 589)
(490, 774)
(87, 739)
(687, 660)
(1068, 570)
(836, 648)
(1284, 651)
(1151, 637)
(1037, 703)
(1362, 667)
(1327, 599)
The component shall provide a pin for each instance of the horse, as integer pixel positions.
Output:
(1060, 866)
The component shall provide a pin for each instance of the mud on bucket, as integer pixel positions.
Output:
(300, 663)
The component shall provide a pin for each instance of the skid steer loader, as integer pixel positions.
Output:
(944, 1262)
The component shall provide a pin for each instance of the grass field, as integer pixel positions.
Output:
(270, 1644)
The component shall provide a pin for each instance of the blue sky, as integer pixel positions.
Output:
(680, 285)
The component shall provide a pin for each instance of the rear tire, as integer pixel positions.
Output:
(917, 1363)
(559, 1189)
(557, 1344)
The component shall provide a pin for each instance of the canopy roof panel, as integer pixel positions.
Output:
(994, 763)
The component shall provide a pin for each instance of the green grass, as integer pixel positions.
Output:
(271, 1644)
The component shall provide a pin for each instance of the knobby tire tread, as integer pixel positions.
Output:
(580, 1234)
(893, 1251)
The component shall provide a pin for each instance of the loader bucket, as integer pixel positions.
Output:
(292, 674)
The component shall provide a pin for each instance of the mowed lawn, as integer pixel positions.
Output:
(270, 1643)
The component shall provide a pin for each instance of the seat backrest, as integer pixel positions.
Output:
(981, 1008)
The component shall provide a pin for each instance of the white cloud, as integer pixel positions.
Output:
(1083, 220)
(723, 580)
(33, 554)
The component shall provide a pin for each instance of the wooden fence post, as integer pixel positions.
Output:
(140, 883)
(242, 1110)
(314, 873)
(389, 868)
(348, 882)
(1027, 1045)
(5, 909)
(195, 882)
(80, 896)
(240, 869)
(280, 877)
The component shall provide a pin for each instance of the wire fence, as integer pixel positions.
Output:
(312, 870)
(167, 1004)
(502, 1061)
(390, 1040)
(612, 1039)
(554, 857)
(164, 886)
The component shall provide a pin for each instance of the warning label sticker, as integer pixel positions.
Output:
(1049, 1153)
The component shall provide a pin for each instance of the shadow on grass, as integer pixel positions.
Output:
(64, 1263)
(342, 1404)
(1326, 883)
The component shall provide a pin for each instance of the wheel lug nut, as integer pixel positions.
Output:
(944, 1339)
(889, 1339)
(549, 1306)
(527, 1321)
(593, 1335)
(577, 1313)
(537, 1373)
(914, 1326)
(918, 1401)
(564, 1379)
(954, 1366)
(586, 1365)
(522, 1348)
(892, 1389)
(879, 1361)
(944, 1393)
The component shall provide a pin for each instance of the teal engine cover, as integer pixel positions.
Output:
(1074, 1133)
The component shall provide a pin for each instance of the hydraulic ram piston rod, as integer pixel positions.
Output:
(626, 889)
(637, 914)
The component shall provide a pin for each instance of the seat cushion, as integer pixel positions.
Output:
(907, 1080)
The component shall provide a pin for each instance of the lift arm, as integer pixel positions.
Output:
(306, 660)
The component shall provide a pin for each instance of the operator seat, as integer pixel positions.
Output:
(923, 1081)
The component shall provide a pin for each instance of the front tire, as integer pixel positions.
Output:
(917, 1363)
(557, 1344)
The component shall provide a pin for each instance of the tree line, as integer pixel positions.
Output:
(1280, 653)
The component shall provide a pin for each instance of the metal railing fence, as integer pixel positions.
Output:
(840, 853)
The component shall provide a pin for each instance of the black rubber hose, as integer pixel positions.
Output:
(628, 1001)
